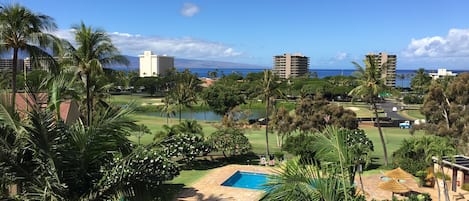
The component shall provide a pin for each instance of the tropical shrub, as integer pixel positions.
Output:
(144, 166)
(229, 140)
(410, 157)
(187, 145)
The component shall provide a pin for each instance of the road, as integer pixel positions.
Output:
(387, 108)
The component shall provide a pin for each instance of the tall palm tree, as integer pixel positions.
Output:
(268, 87)
(421, 81)
(184, 93)
(94, 51)
(370, 85)
(23, 30)
(168, 109)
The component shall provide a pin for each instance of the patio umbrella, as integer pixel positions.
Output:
(399, 173)
(394, 186)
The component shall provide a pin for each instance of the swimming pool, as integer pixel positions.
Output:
(247, 180)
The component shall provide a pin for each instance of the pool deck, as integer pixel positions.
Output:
(209, 187)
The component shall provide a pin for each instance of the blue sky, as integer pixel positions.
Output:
(333, 33)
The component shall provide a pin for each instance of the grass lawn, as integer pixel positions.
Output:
(393, 138)
(188, 177)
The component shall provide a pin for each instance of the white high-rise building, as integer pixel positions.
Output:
(154, 65)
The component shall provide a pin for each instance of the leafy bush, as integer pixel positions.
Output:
(230, 140)
(144, 166)
(188, 145)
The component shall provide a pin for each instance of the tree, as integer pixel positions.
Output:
(313, 115)
(421, 81)
(370, 85)
(445, 109)
(296, 181)
(151, 84)
(229, 140)
(184, 139)
(223, 96)
(142, 130)
(331, 177)
(268, 89)
(284, 124)
(50, 160)
(184, 92)
(94, 51)
(168, 109)
(23, 30)
(437, 147)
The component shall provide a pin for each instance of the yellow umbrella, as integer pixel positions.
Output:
(399, 173)
(393, 186)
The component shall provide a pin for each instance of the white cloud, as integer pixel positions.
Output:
(455, 44)
(189, 9)
(341, 56)
(134, 44)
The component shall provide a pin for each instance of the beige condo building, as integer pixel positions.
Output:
(387, 64)
(152, 65)
(290, 65)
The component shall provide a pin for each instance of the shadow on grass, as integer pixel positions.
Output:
(214, 161)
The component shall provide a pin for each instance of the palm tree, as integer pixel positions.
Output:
(168, 109)
(370, 85)
(23, 30)
(94, 51)
(190, 127)
(284, 123)
(436, 148)
(268, 87)
(296, 181)
(421, 81)
(185, 91)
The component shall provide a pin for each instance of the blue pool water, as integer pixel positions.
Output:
(247, 180)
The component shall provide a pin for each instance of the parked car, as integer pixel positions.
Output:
(405, 124)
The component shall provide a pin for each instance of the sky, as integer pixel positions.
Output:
(426, 34)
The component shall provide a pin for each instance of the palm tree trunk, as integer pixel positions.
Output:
(88, 99)
(14, 72)
(445, 187)
(437, 183)
(381, 136)
(267, 126)
(361, 182)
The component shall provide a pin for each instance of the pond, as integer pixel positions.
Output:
(212, 116)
